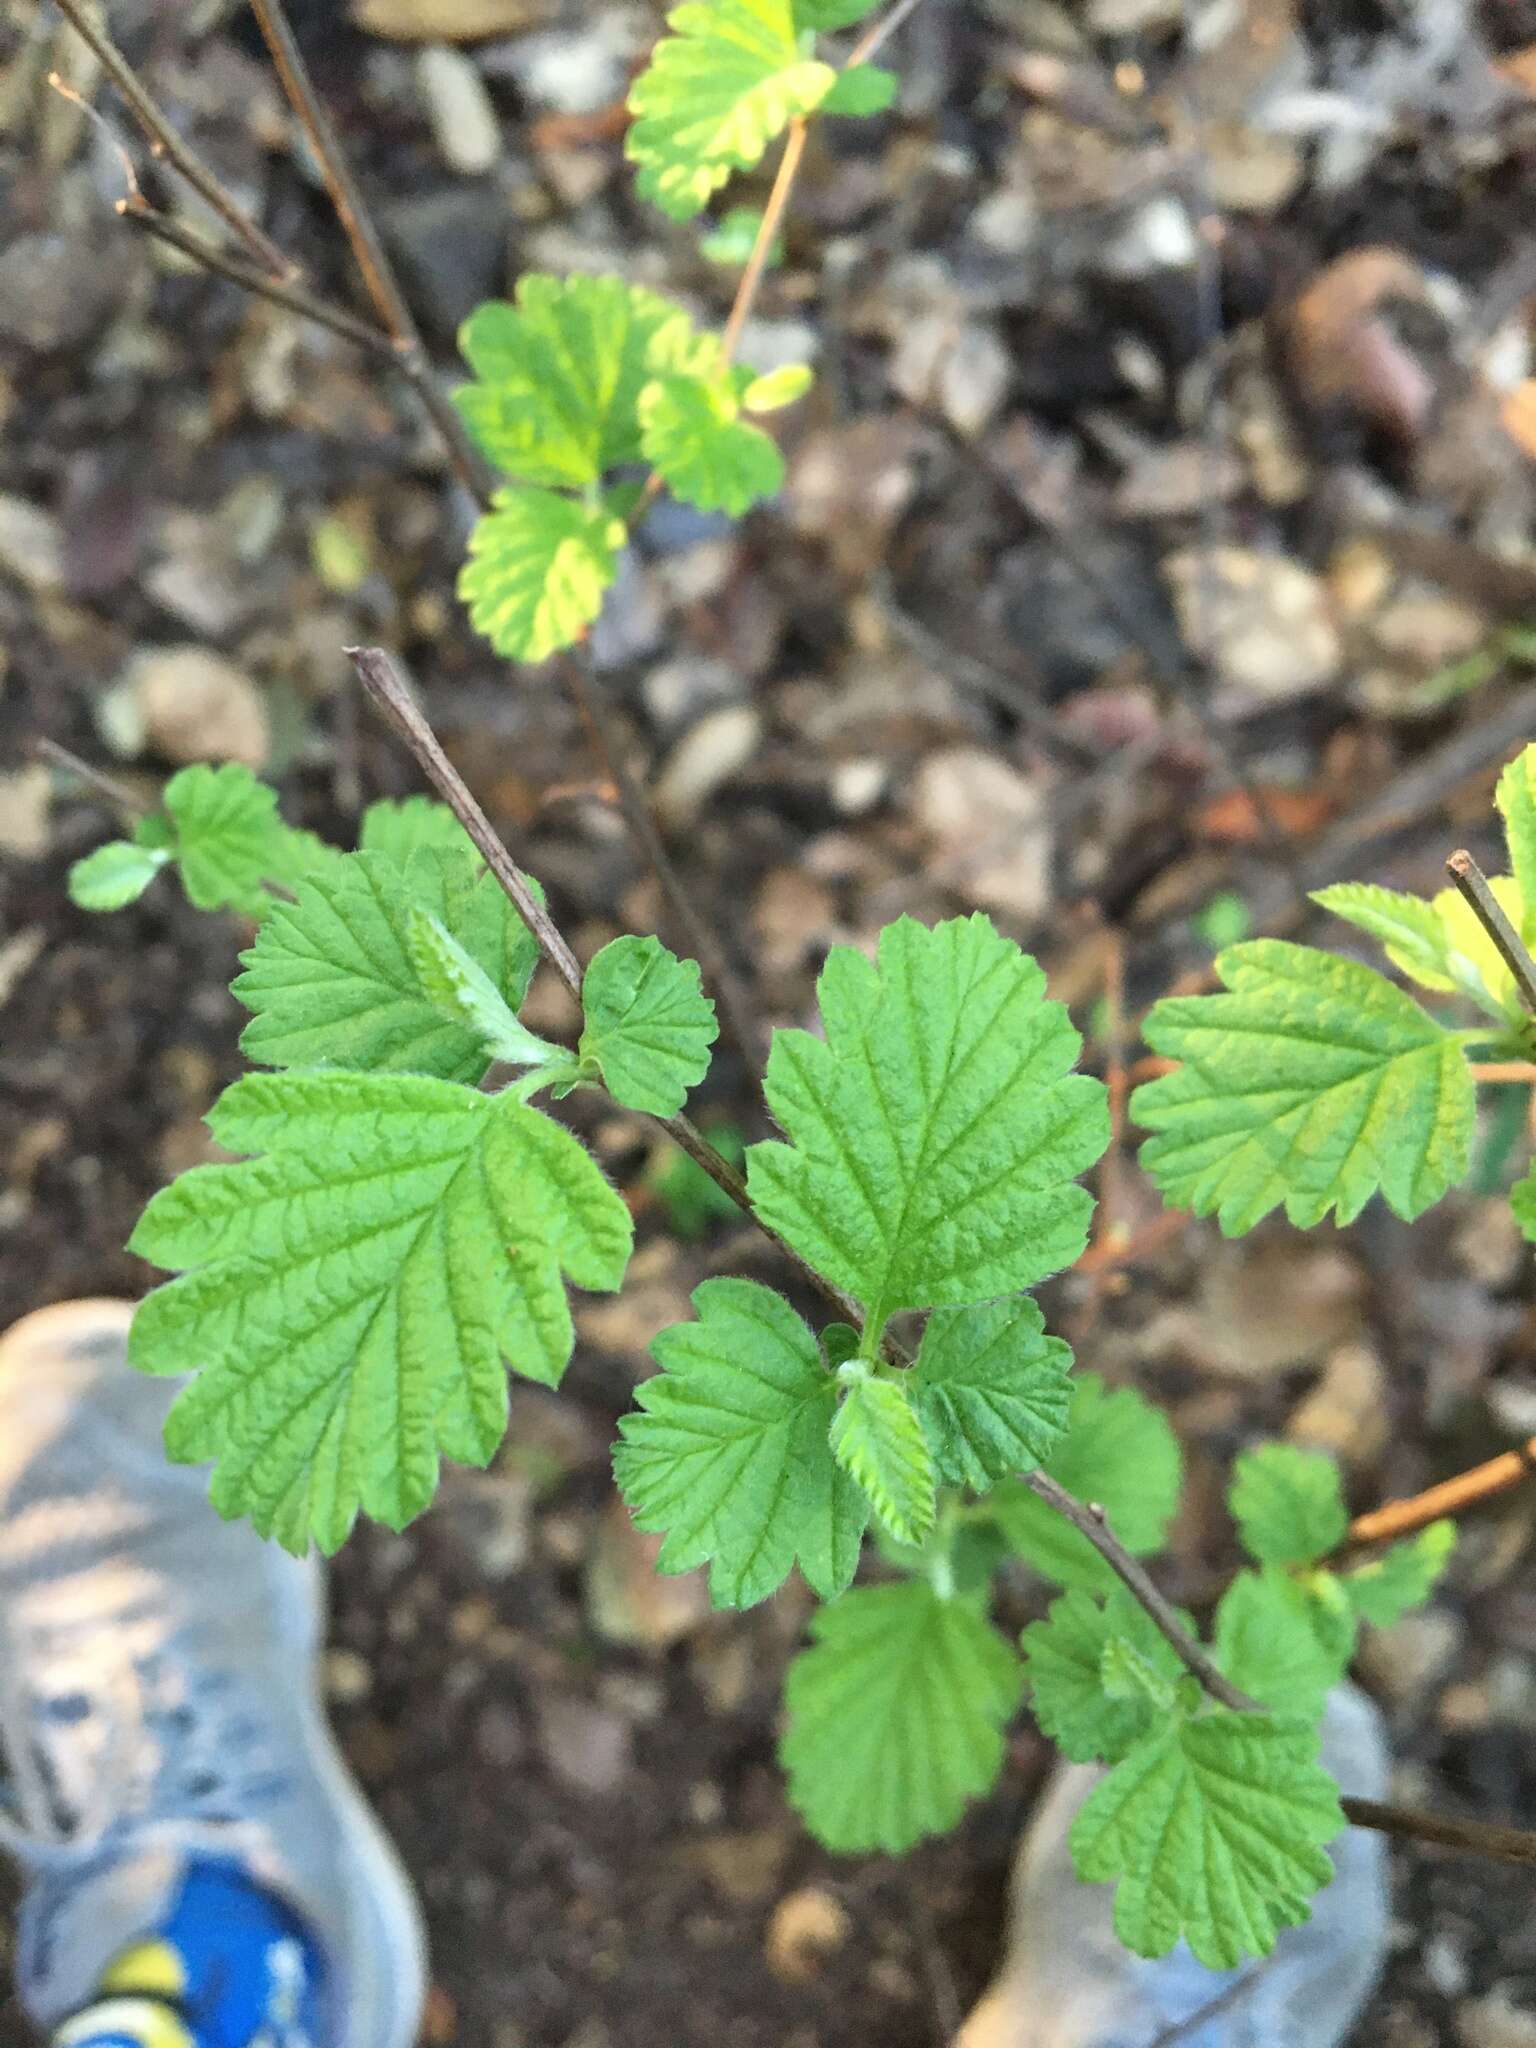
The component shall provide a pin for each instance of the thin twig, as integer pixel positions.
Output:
(1476, 1837)
(378, 277)
(224, 263)
(1090, 1522)
(880, 32)
(736, 1012)
(165, 142)
(1502, 1070)
(1451, 1497)
(1484, 905)
(767, 235)
(115, 792)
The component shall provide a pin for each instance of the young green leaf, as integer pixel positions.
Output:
(331, 979)
(1516, 799)
(1477, 966)
(353, 1292)
(1215, 1830)
(559, 374)
(862, 89)
(460, 989)
(694, 436)
(778, 388)
(1269, 1644)
(991, 1390)
(729, 1451)
(1314, 1083)
(937, 1132)
(879, 1442)
(1401, 1578)
(825, 17)
(896, 1716)
(410, 825)
(718, 90)
(1410, 929)
(731, 240)
(649, 1024)
(538, 567)
(115, 875)
(1064, 1668)
(1120, 1453)
(229, 838)
(1288, 1504)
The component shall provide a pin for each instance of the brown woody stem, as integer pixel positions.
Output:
(1484, 905)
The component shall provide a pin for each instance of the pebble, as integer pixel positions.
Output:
(452, 250)
(447, 21)
(192, 705)
(586, 1746)
(31, 544)
(56, 290)
(987, 824)
(628, 1600)
(1347, 1412)
(464, 121)
(576, 70)
(688, 687)
(1495, 2022)
(348, 1677)
(1262, 621)
(808, 1927)
(24, 803)
(705, 759)
(1404, 1660)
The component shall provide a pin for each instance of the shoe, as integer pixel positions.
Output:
(1067, 1981)
(160, 1713)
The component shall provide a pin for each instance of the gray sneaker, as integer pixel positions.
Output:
(1066, 1981)
(159, 1699)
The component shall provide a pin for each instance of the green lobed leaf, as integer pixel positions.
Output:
(410, 825)
(1120, 1453)
(649, 1025)
(825, 17)
(1269, 1643)
(229, 839)
(1409, 929)
(991, 1390)
(1214, 1829)
(1313, 1084)
(717, 92)
(1476, 965)
(729, 1454)
(539, 566)
(115, 875)
(1064, 1663)
(1402, 1577)
(332, 981)
(1516, 799)
(937, 1131)
(351, 1296)
(862, 89)
(731, 240)
(777, 388)
(896, 1716)
(559, 374)
(1287, 1503)
(459, 988)
(694, 436)
(878, 1440)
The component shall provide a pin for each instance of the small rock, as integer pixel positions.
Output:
(848, 486)
(488, 1514)
(31, 545)
(348, 1677)
(452, 250)
(684, 689)
(500, 1738)
(628, 1600)
(792, 917)
(195, 706)
(1261, 621)
(808, 1927)
(587, 1747)
(1346, 1414)
(577, 69)
(705, 759)
(464, 121)
(24, 803)
(962, 367)
(1495, 2022)
(988, 827)
(1403, 1661)
(56, 290)
(448, 21)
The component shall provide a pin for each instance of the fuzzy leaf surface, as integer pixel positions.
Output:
(351, 1295)
(649, 1024)
(405, 826)
(332, 980)
(1402, 1577)
(1516, 799)
(1409, 929)
(1313, 1084)
(896, 1716)
(1267, 1643)
(991, 1389)
(694, 436)
(719, 89)
(1214, 1829)
(728, 1452)
(879, 1442)
(1064, 1664)
(115, 875)
(1288, 1504)
(539, 566)
(936, 1133)
(229, 837)
(1119, 1452)
(459, 988)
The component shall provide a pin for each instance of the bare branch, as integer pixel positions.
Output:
(1476, 1837)
(1484, 905)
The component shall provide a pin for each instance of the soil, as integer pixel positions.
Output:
(961, 572)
